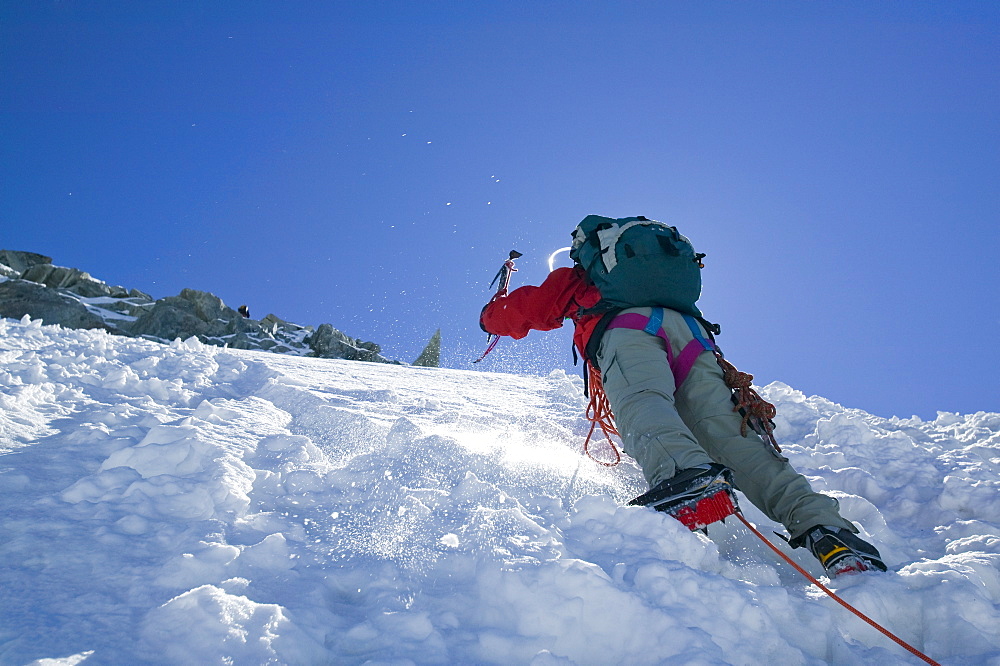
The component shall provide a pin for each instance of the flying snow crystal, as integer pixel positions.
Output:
(181, 503)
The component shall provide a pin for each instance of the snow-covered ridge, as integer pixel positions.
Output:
(31, 285)
(185, 503)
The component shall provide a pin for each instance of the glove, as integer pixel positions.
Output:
(481, 314)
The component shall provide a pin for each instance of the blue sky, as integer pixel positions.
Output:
(371, 164)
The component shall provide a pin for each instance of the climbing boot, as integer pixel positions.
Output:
(698, 496)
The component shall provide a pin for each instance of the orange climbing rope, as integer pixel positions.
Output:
(834, 596)
(599, 414)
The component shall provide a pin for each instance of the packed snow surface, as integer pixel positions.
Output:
(186, 504)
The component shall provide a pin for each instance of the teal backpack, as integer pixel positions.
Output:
(637, 262)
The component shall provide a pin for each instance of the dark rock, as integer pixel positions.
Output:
(75, 280)
(20, 297)
(271, 324)
(328, 342)
(430, 357)
(167, 321)
(192, 312)
(55, 294)
(201, 314)
(22, 261)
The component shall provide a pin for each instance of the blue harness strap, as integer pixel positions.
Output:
(696, 332)
(655, 321)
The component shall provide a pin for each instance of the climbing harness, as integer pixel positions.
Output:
(756, 412)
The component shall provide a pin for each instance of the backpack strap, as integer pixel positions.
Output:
(594, 343)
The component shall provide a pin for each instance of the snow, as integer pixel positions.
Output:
(188, 504)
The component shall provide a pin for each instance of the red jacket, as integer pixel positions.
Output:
(543, 308)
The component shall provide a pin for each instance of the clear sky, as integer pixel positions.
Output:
(370, 164)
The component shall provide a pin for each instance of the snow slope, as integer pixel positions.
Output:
(187, 504)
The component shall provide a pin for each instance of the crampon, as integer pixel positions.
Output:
(696, 497)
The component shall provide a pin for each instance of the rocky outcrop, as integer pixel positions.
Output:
(20, 297)
(205, 316)
(30, 284)
(328, 342)
(77, 281)
(430, 357)
(19, 262)
(192, 312)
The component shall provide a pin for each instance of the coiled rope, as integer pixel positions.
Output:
(757, 413)
(599, 414)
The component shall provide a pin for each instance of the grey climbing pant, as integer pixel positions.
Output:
(666, 429)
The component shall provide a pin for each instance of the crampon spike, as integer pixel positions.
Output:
(704, 511)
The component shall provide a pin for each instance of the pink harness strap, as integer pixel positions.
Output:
(679, 366)
(685, 361)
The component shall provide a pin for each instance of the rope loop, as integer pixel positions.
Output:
(599, 414)
(753, 407)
